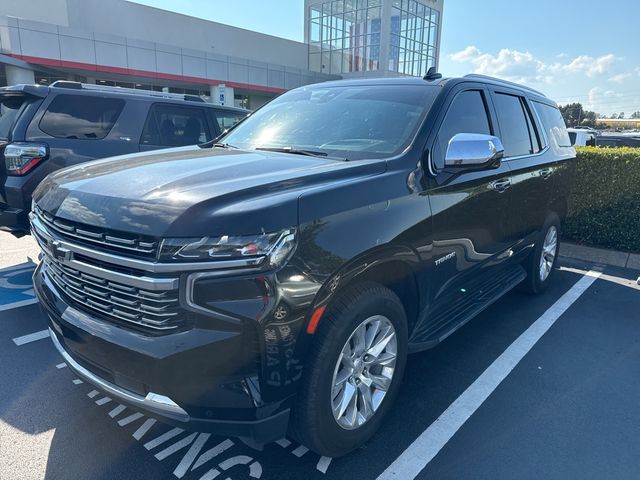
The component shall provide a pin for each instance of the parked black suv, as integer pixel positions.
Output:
(43, 129)
(275, 281)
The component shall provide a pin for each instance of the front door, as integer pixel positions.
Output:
(470, 209)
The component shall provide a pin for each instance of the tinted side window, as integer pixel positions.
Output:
(81, 116)
(514, 126)
(173, 126)
(573, 136)
(553, 125)
(227, 120)
(467, 114)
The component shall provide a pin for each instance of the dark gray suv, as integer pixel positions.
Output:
(43, 129)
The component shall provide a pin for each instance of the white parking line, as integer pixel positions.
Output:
(61, 365)
(191, 455)
(163, 438)
(77, 381)
(22, 303)
(144, 428)
(283, 442)
(418, 455)
(212, 453)
(323, 464)
(186, 441)
(103, 400)
(117, 411)
(300, 451)
(131, 418)
(32, 337)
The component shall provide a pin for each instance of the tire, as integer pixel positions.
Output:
(313, 421)
(538, 278)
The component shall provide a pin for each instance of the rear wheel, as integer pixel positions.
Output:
(541, 263)
(354, 371)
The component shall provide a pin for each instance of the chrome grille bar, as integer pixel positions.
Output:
(144, 247)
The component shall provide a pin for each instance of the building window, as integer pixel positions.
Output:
(414, 37)
(344, 36)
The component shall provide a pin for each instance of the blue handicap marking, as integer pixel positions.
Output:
(16, 284)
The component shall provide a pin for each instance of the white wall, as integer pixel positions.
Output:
(131, 37)
(131, 20)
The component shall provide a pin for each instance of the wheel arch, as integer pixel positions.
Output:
(394, 267)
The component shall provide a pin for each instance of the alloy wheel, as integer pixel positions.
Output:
(364, 372)
(549, 252)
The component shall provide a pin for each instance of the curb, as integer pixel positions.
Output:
(600, 255)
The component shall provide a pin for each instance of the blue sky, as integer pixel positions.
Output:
(573, 50)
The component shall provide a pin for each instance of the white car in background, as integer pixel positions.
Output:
(582, 137)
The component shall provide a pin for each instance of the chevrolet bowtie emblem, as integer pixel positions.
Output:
(59, 252)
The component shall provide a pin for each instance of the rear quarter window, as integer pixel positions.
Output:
(554, 125)
(10, 109)
(81, 116)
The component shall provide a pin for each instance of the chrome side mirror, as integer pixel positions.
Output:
(474, 151)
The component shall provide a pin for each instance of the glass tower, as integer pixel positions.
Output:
(373, 37)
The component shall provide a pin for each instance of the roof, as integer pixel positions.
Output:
(43, 91)
(436, 82)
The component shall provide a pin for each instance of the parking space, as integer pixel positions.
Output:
(535, 387)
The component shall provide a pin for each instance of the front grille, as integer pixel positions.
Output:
(133, 245)
(115, 301)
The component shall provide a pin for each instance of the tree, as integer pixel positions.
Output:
(575, 115)
(635, 114)
(621, 116)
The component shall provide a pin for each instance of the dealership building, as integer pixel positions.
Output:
(121, 43)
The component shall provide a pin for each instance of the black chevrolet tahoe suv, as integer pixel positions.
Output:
(273, 282)
(46, 128)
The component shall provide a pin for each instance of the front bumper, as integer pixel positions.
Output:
(176, 378)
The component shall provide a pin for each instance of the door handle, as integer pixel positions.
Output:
(546, 172)
(501, 186)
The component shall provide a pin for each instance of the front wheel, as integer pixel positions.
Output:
(354, 371)
(541, 264)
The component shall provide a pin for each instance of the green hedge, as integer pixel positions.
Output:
(604, 208)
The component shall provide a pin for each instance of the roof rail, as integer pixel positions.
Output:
(504, 82)
(125, 91)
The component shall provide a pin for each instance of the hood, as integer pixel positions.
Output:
(192, 191)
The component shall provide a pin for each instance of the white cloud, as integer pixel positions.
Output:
(602, 100)
(591, 66)
(525, 67)
(620, 78)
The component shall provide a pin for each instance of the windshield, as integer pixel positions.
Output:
(10, 108)
(353, 122)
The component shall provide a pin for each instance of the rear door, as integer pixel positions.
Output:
(170, 125)
(470, 209)
(532, 167)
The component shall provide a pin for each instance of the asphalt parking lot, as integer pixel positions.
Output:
(535, 387)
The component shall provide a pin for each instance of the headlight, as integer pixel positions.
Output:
(276, 247)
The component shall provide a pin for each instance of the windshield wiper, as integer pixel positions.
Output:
(298, 151)
(224, 145)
